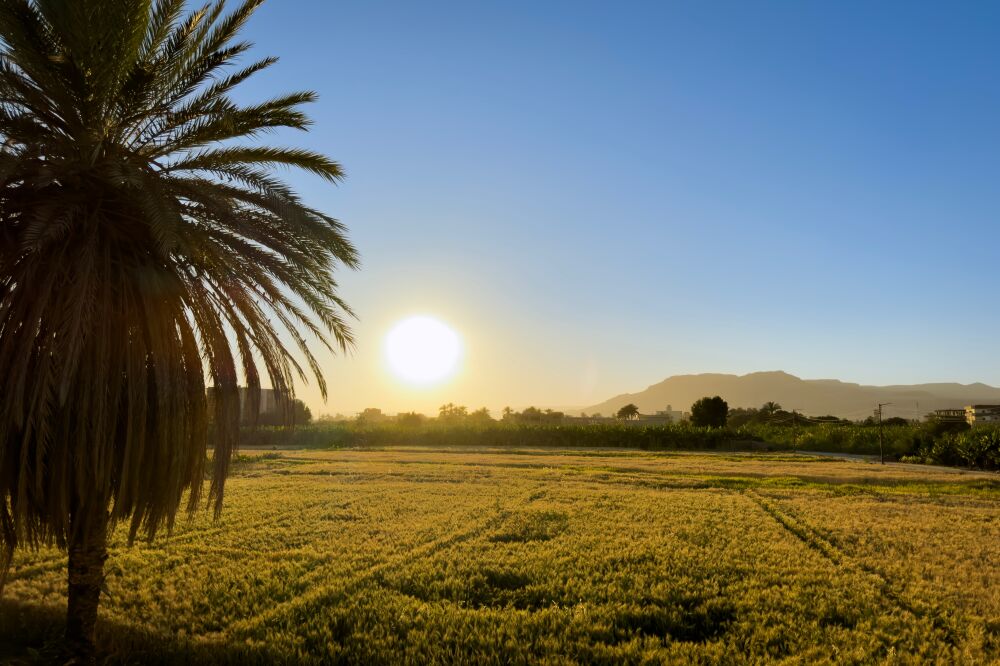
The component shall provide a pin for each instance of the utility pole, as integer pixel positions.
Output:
(795, 428)
(881, 453)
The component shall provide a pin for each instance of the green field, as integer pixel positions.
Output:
(555, 556)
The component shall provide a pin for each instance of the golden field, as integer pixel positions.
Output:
(418, 555)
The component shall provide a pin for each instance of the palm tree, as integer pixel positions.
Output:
(770, 408)
(145, 245)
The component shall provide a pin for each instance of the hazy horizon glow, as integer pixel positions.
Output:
(599, 196)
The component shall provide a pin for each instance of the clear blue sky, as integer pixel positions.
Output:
(599, 195)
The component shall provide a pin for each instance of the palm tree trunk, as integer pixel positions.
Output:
(88, 550)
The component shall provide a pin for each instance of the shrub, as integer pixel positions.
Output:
(978, 448)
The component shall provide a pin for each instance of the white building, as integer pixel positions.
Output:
(672, 415)
(982, 415)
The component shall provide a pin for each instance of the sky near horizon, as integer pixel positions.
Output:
(596, 196)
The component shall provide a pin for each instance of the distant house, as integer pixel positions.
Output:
(982, 415)
(672, 415)
(661, 417)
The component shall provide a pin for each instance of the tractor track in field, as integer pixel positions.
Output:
(372, 573)
(815, 540)
(802, 531)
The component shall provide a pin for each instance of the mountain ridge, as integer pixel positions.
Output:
(813, 397)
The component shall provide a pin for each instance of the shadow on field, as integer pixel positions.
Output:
(32, 634)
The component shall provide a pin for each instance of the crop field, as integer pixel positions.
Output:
(421, 555)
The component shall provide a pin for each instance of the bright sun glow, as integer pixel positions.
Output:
(422, 350)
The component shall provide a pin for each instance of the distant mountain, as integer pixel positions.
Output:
(813, 397)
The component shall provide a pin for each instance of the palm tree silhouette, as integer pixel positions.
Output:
(770, 408)
(144, 245)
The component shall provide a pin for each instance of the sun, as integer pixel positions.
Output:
(422, 350)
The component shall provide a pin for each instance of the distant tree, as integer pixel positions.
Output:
(409, 419)
(770, 408)
(740, 416)
(829, 418)
(628, 412)
(530, 414)
(535, 415)
(481, 415)
(895, 421)
(301, 413)
(938, 427)
(710, 412)
(332, 418)
(452, 412)
(508, 413)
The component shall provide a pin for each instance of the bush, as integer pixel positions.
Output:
(979, 448)
(503, 434)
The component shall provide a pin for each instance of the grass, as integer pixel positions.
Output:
(558, 556)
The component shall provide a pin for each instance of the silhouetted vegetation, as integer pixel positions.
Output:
(452, 413)
(301, 415)
(628, 412)
(146, 245)
(771, 413)
(533, 415)
(481, 415)
(506, 434)
(410, 419)
(710, 412)
(923, 443)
